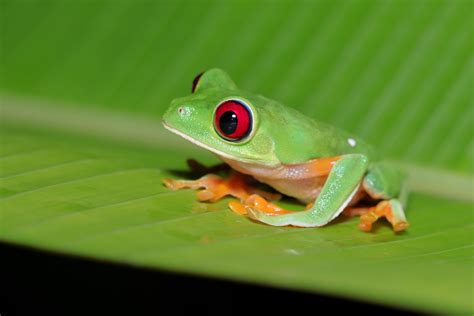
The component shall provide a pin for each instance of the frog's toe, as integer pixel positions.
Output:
(238, 207)
(392, 210)
(206, 195)
(212, 187)
(296, 219)
(258, 204)
(173, 184)
(401, 226)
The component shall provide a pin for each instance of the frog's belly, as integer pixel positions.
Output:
(305, 190)
(289, 180)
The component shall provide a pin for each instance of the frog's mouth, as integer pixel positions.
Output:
(211, 149)
(196, 142)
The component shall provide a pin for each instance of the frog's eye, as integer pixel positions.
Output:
(233, 120)
(195, 82)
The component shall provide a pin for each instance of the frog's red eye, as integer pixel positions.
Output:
(195, 82)
(233, 120)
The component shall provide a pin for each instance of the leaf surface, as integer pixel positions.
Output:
(116, 208)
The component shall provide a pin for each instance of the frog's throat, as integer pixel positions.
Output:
(217, 152)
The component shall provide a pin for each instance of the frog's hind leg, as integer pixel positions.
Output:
(392, 210)
(213, 187)
(385, 184)
(340, 187)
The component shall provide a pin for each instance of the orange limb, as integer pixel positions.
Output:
(370, 215)
(258, 203)
(215, 187)
(319, 167)
(322, 166)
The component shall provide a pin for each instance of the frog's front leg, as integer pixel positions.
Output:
(215, 187)
(341, 185)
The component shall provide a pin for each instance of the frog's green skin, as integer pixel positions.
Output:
(281, 139)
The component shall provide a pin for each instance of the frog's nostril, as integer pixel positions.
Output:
(184, 111)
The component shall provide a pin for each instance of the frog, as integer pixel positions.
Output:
(260, 140)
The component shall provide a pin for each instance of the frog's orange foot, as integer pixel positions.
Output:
(258, 203)
(391, 210)
(213, 187)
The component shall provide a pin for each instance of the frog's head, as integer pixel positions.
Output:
(225, 120)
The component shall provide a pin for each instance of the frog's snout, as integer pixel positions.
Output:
(166, 117)
(178, 113)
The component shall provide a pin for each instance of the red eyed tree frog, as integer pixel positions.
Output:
(326, 168)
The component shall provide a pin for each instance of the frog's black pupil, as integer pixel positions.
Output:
(228, 122)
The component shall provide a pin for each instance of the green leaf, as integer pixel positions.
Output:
(107, 201)
(83, 85)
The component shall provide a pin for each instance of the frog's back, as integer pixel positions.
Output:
(302, 138)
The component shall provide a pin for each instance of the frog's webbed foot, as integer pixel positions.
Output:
(213, 187)
(390, 209)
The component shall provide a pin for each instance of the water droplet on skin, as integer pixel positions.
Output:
(351, 142)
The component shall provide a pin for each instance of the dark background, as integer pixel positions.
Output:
(40, 283)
